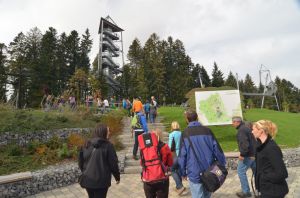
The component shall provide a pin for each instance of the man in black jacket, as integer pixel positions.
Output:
(245, 142)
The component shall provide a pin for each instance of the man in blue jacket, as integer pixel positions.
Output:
(207, 149)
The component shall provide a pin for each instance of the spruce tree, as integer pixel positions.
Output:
(217, 77)
(85, 48)
(231, 80)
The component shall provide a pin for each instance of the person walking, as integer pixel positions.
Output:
(137, 105)
(139, 126)
(207, 149)
(174, 144)
(271, 172)
(98, 161)
(159, 189)
(147, 109)
(153, 112)
(245, 141)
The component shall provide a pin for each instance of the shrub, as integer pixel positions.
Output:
(41, 150)
(32, 146)
(75, 140)
(61, 118)
(54, 143)
(63, 152)
(14, 150)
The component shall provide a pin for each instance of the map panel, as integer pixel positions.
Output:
(217, 107)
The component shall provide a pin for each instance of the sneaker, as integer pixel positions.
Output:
(135, 157)
(180, 190)
(243, 195)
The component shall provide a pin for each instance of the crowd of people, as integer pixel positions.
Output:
(186, 155)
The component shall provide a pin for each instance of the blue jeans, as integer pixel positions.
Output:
(243, 166)
(198, 190)
(176, 174)
(152, 118)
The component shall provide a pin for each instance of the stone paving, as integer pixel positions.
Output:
(132, 187)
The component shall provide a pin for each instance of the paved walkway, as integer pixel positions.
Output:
(131, 187)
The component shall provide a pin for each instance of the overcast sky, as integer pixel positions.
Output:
(239, 35)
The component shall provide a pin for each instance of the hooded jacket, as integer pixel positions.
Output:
(100, 161)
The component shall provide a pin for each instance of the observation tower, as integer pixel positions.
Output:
(110, 52)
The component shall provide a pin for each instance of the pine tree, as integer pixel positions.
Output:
(85, 48)
(47, 69)
(249, 84)
(231, 81)
(154, 69)
(18, 69)
(33, 55)
(135, 57)
(217, 77)
(73, 52)
(62, 64)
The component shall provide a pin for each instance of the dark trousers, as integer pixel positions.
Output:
(97, 193)
(136, 143)
(147, 116)
(157, 190)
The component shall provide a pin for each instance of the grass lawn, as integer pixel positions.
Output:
(35, 119)
(287, 135)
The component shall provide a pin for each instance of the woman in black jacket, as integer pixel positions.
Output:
(270, 168)
(98, 161)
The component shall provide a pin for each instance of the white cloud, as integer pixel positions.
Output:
(239, 35)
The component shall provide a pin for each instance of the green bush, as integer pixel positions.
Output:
(61, 118)
(54, 142)
(64, 152)
(14, 150)
(32, 146)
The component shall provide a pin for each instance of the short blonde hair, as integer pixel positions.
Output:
(175, 126)
(158, 133)
(268, 126)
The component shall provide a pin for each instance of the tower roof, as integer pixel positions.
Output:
(108, 24)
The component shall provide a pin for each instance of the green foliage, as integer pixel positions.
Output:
(64, 152)
(14, 150)
(217, 77)
(54, 142)
(61, 118)
(231, 80)
(32, 146)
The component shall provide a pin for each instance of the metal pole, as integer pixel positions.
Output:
(200, 79)
(276, 102)
(122, 49)
(237, 81)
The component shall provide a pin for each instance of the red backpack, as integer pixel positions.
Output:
(153, 168)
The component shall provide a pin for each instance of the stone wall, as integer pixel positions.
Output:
(50, 178)
(42, 136)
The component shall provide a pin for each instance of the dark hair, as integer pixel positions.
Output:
(101, 131)
(191, 115)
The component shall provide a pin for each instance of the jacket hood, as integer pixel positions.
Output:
(97, 142)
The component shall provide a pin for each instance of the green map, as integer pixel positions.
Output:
(213, 109)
